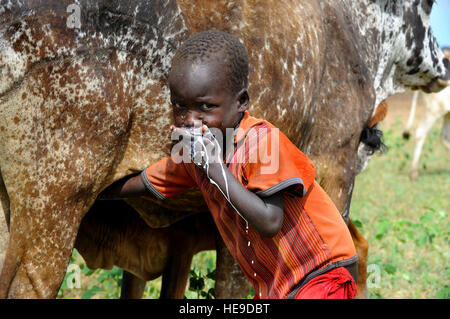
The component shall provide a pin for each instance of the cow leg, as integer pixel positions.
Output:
(132, 286)
(37, 255)
(445, 133)
(230, 281)
(362, 248)
(4, 221)
(40, 247)
(343, 204)
(4, 237)
(421, 135)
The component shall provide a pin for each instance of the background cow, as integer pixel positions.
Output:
(83, 100)
(437, 106)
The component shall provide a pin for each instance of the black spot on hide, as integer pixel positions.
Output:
(434, 57)
(413, 71)
(427, 6)
(392, 7)
(446, 63)
(416, 35)
(414, 61)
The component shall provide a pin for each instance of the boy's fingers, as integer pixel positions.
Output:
(180, 131)
(207, 141)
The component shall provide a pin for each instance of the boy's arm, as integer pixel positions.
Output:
(263, 214)
(126, 187)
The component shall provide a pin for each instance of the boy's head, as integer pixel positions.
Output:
(208, 80)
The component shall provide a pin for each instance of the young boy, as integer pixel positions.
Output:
(280, 226)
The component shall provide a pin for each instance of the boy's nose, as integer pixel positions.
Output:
(192, 119)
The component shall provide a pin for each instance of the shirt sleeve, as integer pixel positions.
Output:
(166, 178)
(275, 164)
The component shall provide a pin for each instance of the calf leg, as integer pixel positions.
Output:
(343, 204)
(362, 248)
(230, 281)
(176, 274)
(132, 286)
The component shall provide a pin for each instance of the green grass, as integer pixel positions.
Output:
(406, 223)
(105, 284)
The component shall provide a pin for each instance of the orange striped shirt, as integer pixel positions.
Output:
(313, 238)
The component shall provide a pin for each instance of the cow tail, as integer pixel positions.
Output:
(372, 137)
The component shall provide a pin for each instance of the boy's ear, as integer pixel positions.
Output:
(243, 99)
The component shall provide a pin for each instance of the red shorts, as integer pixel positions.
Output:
(334, 284)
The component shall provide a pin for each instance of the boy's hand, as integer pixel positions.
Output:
(201, 144)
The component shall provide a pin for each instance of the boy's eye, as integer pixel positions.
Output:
(206, 106)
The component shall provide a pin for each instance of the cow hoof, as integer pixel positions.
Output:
(406, 135)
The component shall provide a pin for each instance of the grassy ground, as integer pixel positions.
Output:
(101, 284)
(407, 225)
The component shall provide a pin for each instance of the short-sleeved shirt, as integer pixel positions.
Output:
(313, 238)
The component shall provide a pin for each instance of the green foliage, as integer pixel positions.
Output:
(91, 292)
(252, 293)
(197, 283)
(406, 223)
(443, 293)
(99, 283)
(357, 223)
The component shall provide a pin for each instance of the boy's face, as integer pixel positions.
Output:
(199, 94)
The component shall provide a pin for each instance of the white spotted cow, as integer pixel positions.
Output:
(84, 102)
(437, 106)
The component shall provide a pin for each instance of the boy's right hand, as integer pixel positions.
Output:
(199, 142)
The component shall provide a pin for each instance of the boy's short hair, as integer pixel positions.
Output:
(209, 46)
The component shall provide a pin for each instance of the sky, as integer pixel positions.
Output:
(440, 22)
